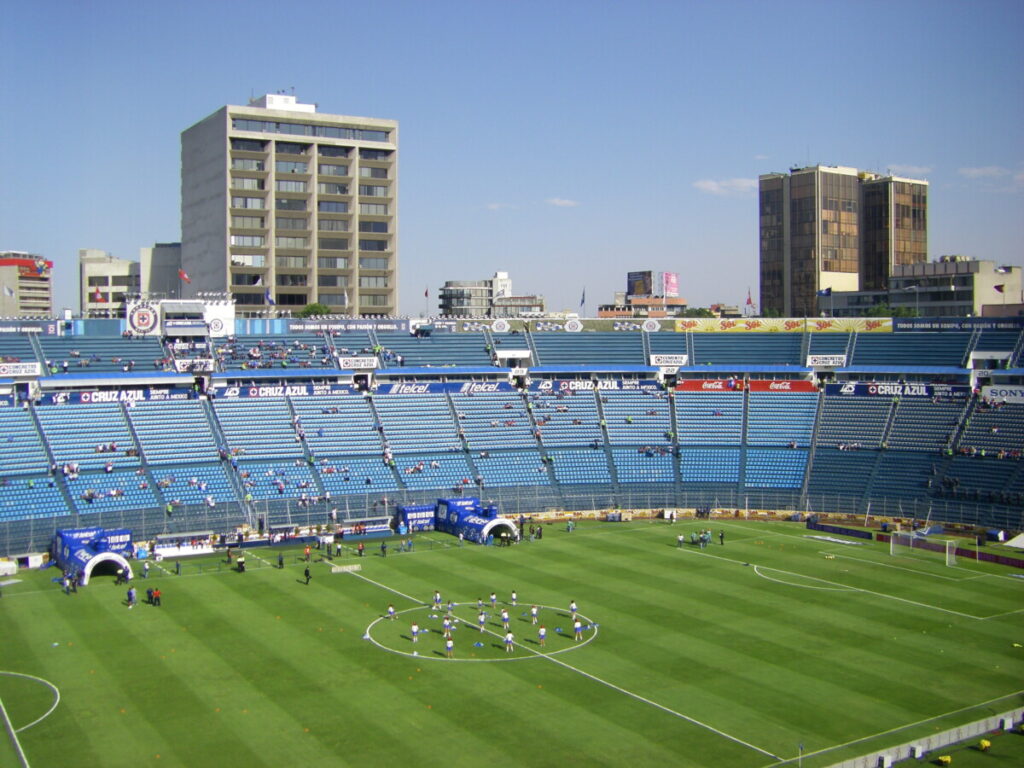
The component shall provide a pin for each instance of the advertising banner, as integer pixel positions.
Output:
(783, 385)
(958, 323)
(669, 360)
(357, 363)
(383, 325)
(741, 324)
(6, 401)
(194, 365)
(587, 385)
(27, 326)
(289, 390)
(849, 324)
(709, 385)
(464, 387)
(826, 361)
(670, 284)
(142, 318)
(116, 395)
(898, 389)
(1009, 393)
(640, 283)
(20, 369)
(468, 517)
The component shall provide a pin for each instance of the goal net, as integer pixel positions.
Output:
(902, 543)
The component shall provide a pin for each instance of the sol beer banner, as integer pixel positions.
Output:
(849, 324)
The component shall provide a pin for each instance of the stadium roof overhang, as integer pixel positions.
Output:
(159, 378)
(440, 371)
(282, 373)
(552, 370)
(935, 370)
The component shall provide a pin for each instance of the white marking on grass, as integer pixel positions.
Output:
(801, 586)
(894, 730)
(850, 587)
(866, 561)
(998, 615)
(13, 734)
(606, 683)
(48, 684)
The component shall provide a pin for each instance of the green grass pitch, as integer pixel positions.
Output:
(729, 656)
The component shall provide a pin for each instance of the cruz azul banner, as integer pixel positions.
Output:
(588, 385)
(897, 389)
(117, 395)
(279, 390)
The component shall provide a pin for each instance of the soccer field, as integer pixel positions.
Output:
(733, 655)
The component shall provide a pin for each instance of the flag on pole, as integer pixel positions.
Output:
(97, 296)
(825, 292)
(426, 293)
(183, 275)
(8, 292)
(583, 298)
(1000, 288)
(258, 280)
(269, 299)
(750, 301)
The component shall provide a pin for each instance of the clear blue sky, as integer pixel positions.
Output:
(564, 142)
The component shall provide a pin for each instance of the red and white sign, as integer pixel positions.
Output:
(709, 385)
(784, 385)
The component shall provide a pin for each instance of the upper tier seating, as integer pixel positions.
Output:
(605, 347)
(16, 348)
(103, 354)
(463, 349)
(911, 349)
(294, 351)
(666, 343)
(828, 343)
(747, 348)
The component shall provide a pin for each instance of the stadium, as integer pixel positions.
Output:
(804, 629)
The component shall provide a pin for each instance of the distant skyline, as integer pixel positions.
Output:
(566, 143)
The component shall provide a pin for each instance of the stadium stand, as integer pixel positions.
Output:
(75, 354)
(555, 348)
(402, 349)
(267, 431)
(709, 418)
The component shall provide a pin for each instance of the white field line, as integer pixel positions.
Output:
(13, 734)
(895, 730)
(48, 684)
(1004, 613)
(596, 679)
(851, 588)
(801, 586)
(865, 561)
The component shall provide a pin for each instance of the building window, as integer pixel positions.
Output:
(373, 300)
(373, 245)
(333, 225)
(285, 223)
(373, 173)
(290, 148)
(332, 262)
(289, 166)
(247, 222)
(292, 281)
(332, 170)
(334, 299)
(334, 243)
(247, 202)
(246, 164)
(306, 129)
(244, 182)
(373, 262)
(373, 226)
(289, 186)
(248, 260)
(374, 154)
(290, 262)
(249, 280)
(95, 280)
(371, 190)
(291, 242)
(373, 209)
(326, 150)
(326, 206)
(332, 281)
(248, 298)
(373, 282)
(326, 188)
(292, 299)
(250, 241)
(248, 145)
(289, 204)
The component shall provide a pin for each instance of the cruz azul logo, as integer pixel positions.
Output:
(142, 318)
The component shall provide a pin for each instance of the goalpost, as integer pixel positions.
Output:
(901, 541)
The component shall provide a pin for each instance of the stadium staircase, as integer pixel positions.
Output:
(645, 339)
(812, 449)
(606, 441)
(37, 348)
(65, 492)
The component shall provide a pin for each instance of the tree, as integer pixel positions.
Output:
(698, 312)
(884, 310)
(313, 310)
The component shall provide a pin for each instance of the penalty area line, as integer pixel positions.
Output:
(594, 678)
(13, 734)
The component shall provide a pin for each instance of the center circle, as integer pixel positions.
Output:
(470, 644)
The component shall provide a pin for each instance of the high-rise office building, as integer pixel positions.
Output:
(282, 206)
(838, 229)
(26, 285)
